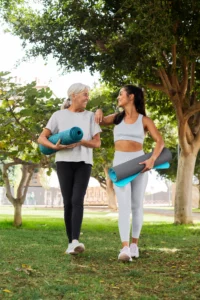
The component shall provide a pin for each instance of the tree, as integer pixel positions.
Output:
(155, 43)
(24, 112)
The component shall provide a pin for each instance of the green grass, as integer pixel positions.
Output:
(33, 264)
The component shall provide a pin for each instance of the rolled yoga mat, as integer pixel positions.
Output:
(66, 137)
(128, 171)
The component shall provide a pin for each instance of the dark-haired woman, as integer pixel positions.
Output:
(129, 133)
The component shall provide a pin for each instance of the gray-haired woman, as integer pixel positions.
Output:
(73, 162)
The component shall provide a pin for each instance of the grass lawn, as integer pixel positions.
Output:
(33, 264)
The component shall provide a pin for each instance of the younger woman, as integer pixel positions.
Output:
(129, 133)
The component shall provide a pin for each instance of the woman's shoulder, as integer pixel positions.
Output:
(89, 113)
(60, 111)
(146, 120)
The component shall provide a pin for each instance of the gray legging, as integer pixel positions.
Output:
(130, 198)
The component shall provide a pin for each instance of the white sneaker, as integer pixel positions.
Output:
(125, 254)
(134, 250)
(77, 247)
(69, 249)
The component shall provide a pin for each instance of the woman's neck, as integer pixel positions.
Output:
(73, 108)
(131, 112)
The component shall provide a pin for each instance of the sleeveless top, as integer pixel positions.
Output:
(131, 132)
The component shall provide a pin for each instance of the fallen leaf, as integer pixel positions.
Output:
(7, 291)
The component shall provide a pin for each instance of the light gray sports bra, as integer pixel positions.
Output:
(131, 132)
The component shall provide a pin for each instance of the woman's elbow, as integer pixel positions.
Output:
(39, 140)
(162, 143)
(98, 144)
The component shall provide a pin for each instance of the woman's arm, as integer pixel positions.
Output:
(150, 126)
(100, 119)
(95, 142)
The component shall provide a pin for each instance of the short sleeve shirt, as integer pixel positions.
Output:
(65, 119)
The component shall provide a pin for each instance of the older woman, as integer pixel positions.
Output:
(74, 162)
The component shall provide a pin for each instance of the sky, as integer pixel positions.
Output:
(49, 74)
(11, 52)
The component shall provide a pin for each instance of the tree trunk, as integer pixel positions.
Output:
(183, 197)
(17, 214)
(199, 194)
(199, 189)
(110, 192)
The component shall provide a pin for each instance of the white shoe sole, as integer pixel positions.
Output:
(77, 250)
(135, 255)
(124, 257)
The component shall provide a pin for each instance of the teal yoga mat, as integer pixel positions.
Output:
(125, 181)
(66, 137)
(133, 167)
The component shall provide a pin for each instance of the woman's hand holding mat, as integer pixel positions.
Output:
(126, 180)
(67, 137)
(133, 167)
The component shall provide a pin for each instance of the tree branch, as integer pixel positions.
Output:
(7, 183)
(191, 111)
(30, 171)
(157, 87)
(185, 146)
(175, 82)
(165, 79)
(192, 80)
(193, 65)
(21, 125)
(197, 141)
(174, 57)
(22, 181)
(184, 84)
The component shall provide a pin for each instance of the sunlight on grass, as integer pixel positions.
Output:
(196, 227)
(101, 215)
(157, 218)
(167, 250)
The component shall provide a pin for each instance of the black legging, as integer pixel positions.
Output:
(73, 178)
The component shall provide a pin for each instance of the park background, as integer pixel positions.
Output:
(150, 43)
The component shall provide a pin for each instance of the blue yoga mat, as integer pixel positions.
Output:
(124, 181)
(66, 137)
(132, 167)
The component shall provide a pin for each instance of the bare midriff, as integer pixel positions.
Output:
(127, 146)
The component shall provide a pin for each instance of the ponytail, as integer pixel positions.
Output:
(66, 104)
(119, 117)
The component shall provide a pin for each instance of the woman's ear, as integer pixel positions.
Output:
(72, 96)
(131, 97)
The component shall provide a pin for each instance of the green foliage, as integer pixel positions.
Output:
(11, 176)
(25, 111)
(1, 179)
(124, 40)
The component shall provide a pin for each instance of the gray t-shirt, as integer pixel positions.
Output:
(65, 119)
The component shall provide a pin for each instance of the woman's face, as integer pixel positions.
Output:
(123, 98)
(81, 99)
